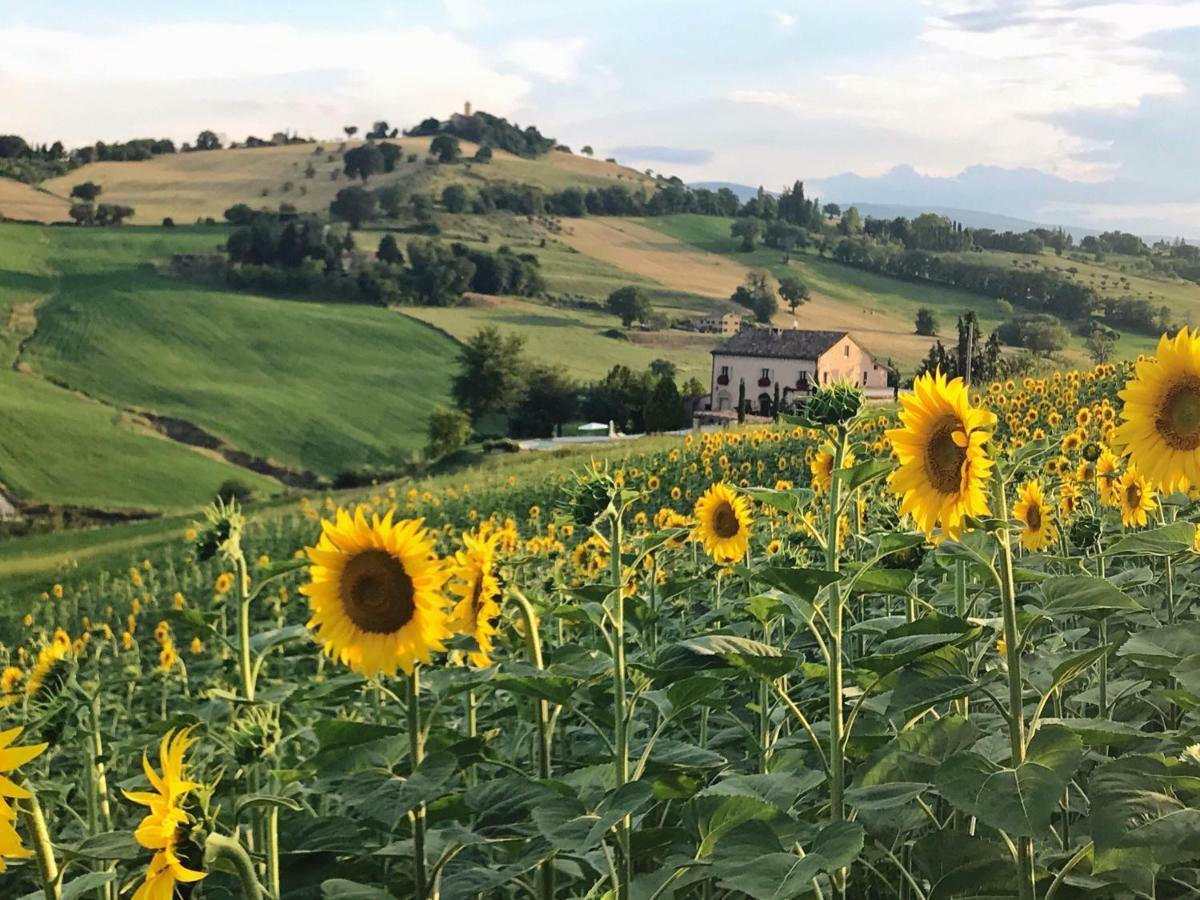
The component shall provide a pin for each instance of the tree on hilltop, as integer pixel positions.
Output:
(748, 229)
(207, 140)
(363, 162)
(446, 148)
(926, 322)
(351, 130)
(794, 291)
(87, 191)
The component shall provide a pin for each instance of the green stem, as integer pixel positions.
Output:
(1012, 648)
(533, 645)
(764, 711)
(43, 849)
(98, 779)
(620, 704)
(245, 662)
(960, 610)
(1103, 688)
(837, 753)
(229, 848)
(416, 744)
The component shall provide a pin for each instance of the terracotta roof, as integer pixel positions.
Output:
(788, 343)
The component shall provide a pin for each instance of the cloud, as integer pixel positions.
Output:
(785, 20)
(552, 60)
(989, 81)
(170, 80)
(684, 156)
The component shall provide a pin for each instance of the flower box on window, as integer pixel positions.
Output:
(764, 382)
(722, 379)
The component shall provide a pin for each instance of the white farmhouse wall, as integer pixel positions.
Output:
(786, 372)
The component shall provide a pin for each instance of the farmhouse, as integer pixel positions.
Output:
(726, 323)
(793, 361)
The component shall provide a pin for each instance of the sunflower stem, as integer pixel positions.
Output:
(533, 644)
(416, 744)
(217, 846)
(621, 724)
(960, 610)
(1103, 674)
(43, 849)
(837, 752)
(1012, 651)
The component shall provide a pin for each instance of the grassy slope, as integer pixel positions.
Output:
(60, 447)
(879, 309)
(188, 186)
(26, 564)
(319, 386)
(25, 203)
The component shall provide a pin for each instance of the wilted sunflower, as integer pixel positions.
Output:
(50, 671)
(165, 827)
(376, 593)
(10, 758)
(1135, 498)
(943, 466)
(723, 523)
(1161, 416)
(472, 580)
(1031, 509)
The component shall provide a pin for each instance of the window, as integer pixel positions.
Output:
(864, 379)
(724, 371)
(826, 378)
(846, 350)
(766, 374)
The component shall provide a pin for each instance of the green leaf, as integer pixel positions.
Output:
(864, 473)
(254, 801)
(794, 501)
(869, 579)
(265, 640)
(717, 816)
(1164, 541)
(319, 834)
(913, 756)
(1163, 648)
(904, 643)
(341, 889)
(1100, 732)
(729, 650)
(802, 583)
(780, 789)
(781, 876)
(539, 686)
(886, 796)
(110, 845)
(1084, 595)
(1021, 800)
(690, 691)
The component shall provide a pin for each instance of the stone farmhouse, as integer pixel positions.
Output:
(795, 361)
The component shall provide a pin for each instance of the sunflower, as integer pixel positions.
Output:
(1031, 508)
(943, 465)
(1161, 416)
(472, 579)
(1135, 498)
(723, 523)
(1107, 476)
(822, 468)
(10, 758)
(376, 593)
(50, 671)
(165, 827)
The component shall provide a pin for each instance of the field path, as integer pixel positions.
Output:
(644, 251)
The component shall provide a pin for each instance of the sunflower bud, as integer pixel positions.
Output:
(589, 498)
(1091, 451)
(221, 532)
(835, 404)
(1085, 532)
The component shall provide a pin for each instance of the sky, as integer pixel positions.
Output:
(1063, 111)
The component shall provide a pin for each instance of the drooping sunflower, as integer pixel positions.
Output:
(1135, 497)
(473, 580)
(165, 827)
(376, 593)
(51, 670)
(10, 759)
(1035, 513)
(1161, 417)
(943, 465)
(723, 523)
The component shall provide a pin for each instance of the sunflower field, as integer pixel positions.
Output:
(945, 651)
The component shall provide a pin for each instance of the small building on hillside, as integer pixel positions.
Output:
(795, 361)
(723, 323)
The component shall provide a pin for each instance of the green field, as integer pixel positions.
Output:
(321, 387)
(61, 447)
(882, 309)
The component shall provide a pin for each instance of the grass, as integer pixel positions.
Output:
(322, 387)
(58, 446)
(27, 563)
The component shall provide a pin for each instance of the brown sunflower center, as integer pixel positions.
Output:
(1033, 517)
(725, 521)
(1133, 495)
(1179, 416)
(943, 458)
(377, 592)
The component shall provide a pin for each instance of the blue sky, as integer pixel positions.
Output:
(1102, 96)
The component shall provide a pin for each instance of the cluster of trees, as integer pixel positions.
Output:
(971, 351)
(301, 255)
(89, 213)
(496, 377)
(1119, 242)
(1039, 291)
(757, 295)
(489, 131)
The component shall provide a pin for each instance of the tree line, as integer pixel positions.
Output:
(302, 255)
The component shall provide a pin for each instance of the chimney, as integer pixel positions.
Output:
(467, 109)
